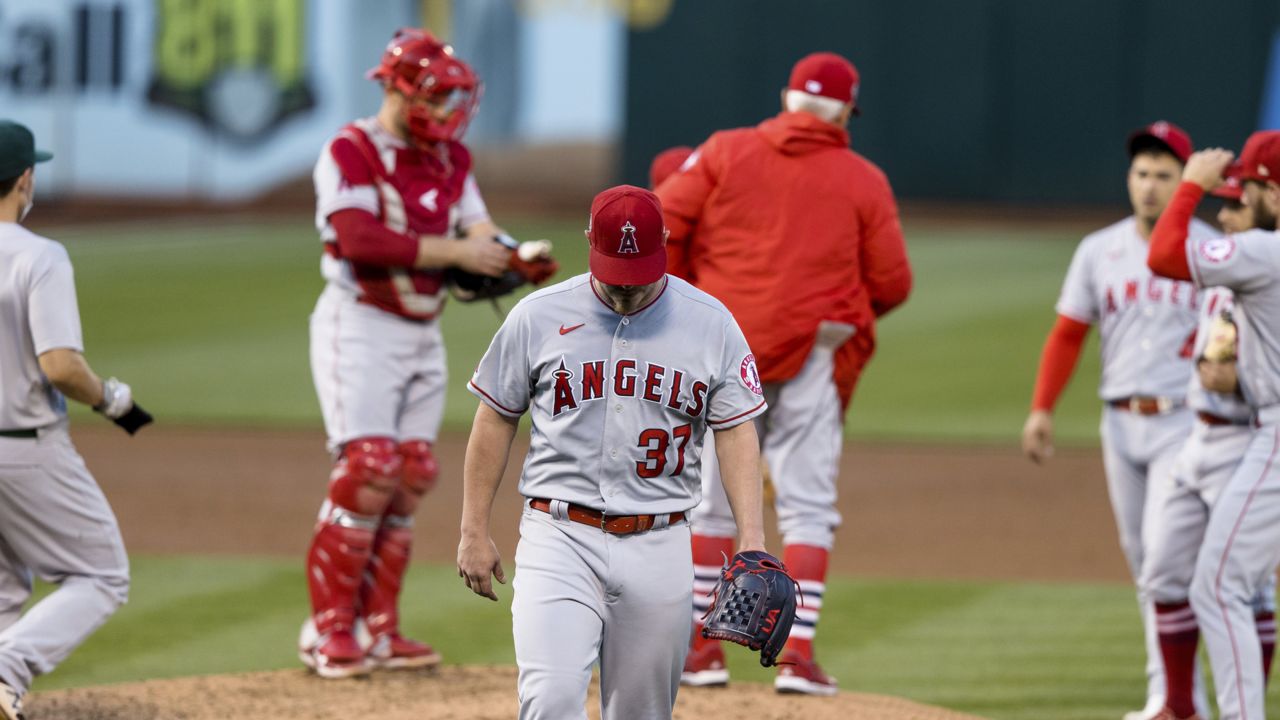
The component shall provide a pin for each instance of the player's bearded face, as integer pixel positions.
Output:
(1260, 200)
(1153, 177)
(1235, 216)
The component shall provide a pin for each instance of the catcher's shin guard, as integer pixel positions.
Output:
(360, 487)
(380, 589)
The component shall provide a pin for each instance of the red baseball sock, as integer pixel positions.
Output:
(808, 565)
(1266, 624)
(1179, 634)
(708, 557)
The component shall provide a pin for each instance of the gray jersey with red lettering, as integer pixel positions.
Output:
(1214, 302)
(1248, 264)
(619, 403)
(1146, 323)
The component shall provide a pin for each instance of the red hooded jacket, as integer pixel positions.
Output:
(787, 226)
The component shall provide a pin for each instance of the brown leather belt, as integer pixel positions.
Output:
(1146, 405)
(1211, 419)
(612, 524)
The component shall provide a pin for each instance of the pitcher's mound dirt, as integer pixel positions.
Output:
(448, 693)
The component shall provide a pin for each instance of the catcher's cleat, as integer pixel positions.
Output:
(799, 674)
(1167, 714)
(335, 656)
(704, 667)
(391, 651)
(10, 703)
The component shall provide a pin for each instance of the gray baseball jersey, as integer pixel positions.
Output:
(1146, 323)
(1214, 301)
(619, 403)
(54, 521)
(1242, 541)
(37, 313)
(1249, 264)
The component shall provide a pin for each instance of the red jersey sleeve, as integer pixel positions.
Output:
(886, 270)
(1058, 361)
(1167, 255)
(683, 197)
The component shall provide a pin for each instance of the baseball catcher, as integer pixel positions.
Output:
(754, 604)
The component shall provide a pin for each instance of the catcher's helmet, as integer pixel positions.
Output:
(442, 91)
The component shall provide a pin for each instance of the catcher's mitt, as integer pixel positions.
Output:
(754, 604)
(1221, 346)
(531, 262)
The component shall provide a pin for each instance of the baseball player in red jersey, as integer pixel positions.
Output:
(799, 237)
(392, 190)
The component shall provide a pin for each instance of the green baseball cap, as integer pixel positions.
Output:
(18, 150)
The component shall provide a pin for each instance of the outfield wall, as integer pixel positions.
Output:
(1003, 100)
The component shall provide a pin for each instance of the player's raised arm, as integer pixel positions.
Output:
(486, 460)
(1167, 255)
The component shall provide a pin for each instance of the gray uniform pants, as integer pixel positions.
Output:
(1138, 453)
(1240, 552)
(584, 596)
(56, 524)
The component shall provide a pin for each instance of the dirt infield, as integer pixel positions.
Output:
(909, 511)
(924, 511)
(450, 693)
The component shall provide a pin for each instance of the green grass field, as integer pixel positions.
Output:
(208, 322)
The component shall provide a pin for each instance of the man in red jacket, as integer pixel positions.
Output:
(799, 237)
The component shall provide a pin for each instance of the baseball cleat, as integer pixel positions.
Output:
(704, 667)
(337, 655)
(802, 675)
(10, 703)
(391, 651)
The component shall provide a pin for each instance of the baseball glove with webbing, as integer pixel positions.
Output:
(1221, 345)
(754, 604)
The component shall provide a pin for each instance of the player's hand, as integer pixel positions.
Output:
(1205, 167)
(1218, 375)
(478, 559)
(482, 255)
(1037, 436)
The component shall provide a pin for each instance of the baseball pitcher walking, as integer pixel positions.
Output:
(1241, 544)
(1147, 326)
(55, 522)
(623, 371)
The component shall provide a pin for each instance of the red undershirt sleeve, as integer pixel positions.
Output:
(363, 239)
(1058, 361)
(1167, 255)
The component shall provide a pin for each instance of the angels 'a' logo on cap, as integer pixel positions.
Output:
(628, 245)
(813, 87)
(1160, 129)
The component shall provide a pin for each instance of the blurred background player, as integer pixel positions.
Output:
(807, 285)
(1219, 437)
(391, 190)
(1147, 325)
(55, 523)
(1241, 544)
(667, 162)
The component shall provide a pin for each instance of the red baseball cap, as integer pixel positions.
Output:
(828, 75)
(1231, 187)
(1164, 133)
(628, 237)
(666, 163)
(1260, 158)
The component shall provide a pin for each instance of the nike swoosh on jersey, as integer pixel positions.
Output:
(566, 330)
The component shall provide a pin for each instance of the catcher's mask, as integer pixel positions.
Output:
(441, 92)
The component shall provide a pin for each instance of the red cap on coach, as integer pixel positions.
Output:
(1231, 188)
(1260, 158)
(1165, 133)
(666, 163)
(828, 75)
(628, 237)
